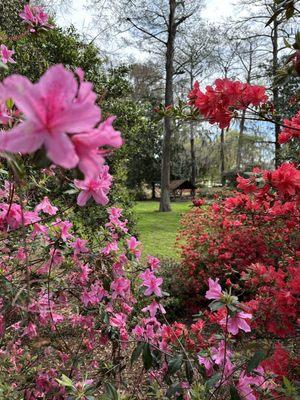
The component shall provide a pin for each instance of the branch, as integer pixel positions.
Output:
(182, 19)
(146, 32)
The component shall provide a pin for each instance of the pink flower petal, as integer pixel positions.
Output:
(21, 139)
(24, 94)
(61, 151)
(82, 198)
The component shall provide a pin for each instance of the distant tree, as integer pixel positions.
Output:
(267, 20)
(194, 61)
(157, 24)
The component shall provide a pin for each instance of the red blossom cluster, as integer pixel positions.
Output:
(275, 303)
(291, 130)
(255, 227)
(221, 101)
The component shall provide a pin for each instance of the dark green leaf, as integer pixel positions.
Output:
(111, 391)
(174, 364)
(212, 381)
(234, 395)
(147, 356)
(257, 358)
(215, 305)
(174, 388)
(137, 352)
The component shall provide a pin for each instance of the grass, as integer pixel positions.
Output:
(158, 231)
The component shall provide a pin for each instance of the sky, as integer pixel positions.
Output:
(82, 18)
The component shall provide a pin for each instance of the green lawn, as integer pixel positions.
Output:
(158, 231)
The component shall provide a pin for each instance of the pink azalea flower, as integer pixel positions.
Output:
(246, 383)
(95, 187)
(237, 322)
(118, 320)
(35, 16)
(154, 263)
(138, 331)
(218, 353)
(120, 287)
(151, 283)
(87, 147)
(79, 246)
(114, 213)
(133, 245)
(153, 308)
(39, 229)
(110, 247)
(30, 330)
(64, 227)
(95, 295)
(208, 365)
(49, 107)
(46, 207)
(84, 274)
(219, 357)
(6, 55)
(215, 290)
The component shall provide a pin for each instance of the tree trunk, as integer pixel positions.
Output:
(275, 90)
(192, 138)
(166, 151)
(222, 158)
(193, 154)
(243, 118)
(240, 142)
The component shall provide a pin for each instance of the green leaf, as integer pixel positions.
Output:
(215, 305)
(147, 356)
(212, 381)
(254, 361)
(65, 381)
(111, 392)
(174, 388)
(137, 352)
(175, 364)
(3, 66)
(232, 308)
(234, 395)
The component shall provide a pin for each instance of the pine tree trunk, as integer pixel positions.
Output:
(222, 158)
(166, 151)
(275, 90)
(240, 142)
(193, 154)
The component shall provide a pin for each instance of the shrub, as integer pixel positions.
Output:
(250, 242)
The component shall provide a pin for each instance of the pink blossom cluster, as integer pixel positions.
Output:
(6, 55)
(48, 108)
(35, 17)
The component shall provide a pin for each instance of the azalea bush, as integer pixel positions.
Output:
(76, 315)
(250, 242)
(84, 317)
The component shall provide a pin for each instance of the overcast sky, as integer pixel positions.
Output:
(82, 19)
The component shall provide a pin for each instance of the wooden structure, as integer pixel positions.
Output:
(177, 187)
